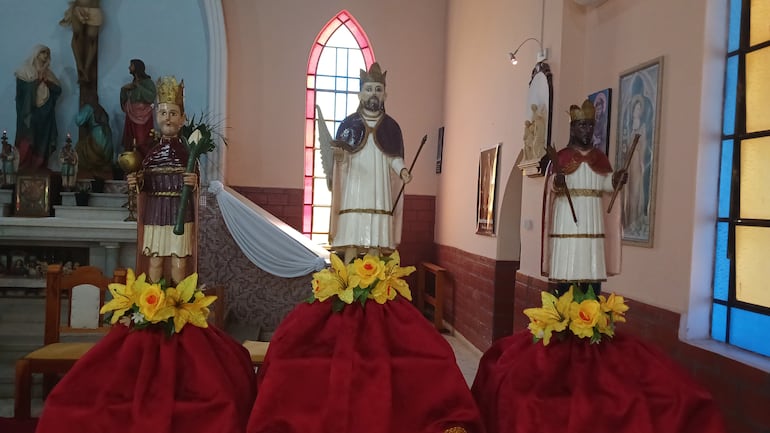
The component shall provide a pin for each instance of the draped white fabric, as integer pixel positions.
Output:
(265, 244)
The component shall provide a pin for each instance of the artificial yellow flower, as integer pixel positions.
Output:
(391, 281)
(604, 325)
(186, 304)
(151, 301)
(330, 282)
(584, 317)
(123, 296)
(551, 317)
(365, 271)
(615, 305)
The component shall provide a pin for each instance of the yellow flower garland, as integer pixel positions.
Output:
(139, 304)
(370, 277)
(583, 314)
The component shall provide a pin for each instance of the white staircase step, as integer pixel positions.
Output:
(97, 199)
(91, 213)
(6, 196)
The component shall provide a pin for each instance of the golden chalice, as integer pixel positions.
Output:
(131, 161)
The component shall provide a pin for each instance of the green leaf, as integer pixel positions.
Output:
(337, 304)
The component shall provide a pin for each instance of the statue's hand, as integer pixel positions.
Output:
(619, 178)
(191, 179)
(405, 175)
(133, 180)
(559, 183)
(339, 153)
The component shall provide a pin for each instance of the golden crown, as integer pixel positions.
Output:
(374, 75)
(170, 92)
(586, 112)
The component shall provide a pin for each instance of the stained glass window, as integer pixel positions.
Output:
(339, 52)
(741, 301)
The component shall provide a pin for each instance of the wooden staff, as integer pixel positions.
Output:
(422, 143)
(625, 168)
(552, 155)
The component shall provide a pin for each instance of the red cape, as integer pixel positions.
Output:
(378, 369)
(200, 380)
(620, 385)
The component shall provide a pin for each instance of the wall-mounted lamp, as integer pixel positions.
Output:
(542, 55)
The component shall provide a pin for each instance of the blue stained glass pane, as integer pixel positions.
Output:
(749, 331)
(719, 322)
(731, 84)
(725, 179)
(721, 264)
(734, 37)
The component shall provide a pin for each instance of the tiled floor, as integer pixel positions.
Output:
(467, 359)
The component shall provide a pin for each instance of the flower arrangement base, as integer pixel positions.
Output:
(199, 380)
(377, 368)
(622, 385)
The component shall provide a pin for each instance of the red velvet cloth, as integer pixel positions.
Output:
(572, 386)
(377, 369)
(200, 380)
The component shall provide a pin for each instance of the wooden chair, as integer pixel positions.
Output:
(85, 288)
(257, 351)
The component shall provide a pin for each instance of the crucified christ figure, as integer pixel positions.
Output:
(85, 17)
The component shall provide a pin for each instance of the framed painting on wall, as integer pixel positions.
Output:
(639, 106)
(537, 127)
(486, 198)
(602, 101)
(32, 196)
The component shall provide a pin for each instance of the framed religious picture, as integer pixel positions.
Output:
(639, 106)
(33, 196)
(17, 263)
(536, 132)
(440, 150)
(487, 192)
(602, 101)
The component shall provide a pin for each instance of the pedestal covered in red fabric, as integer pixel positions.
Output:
(373, 369)
(571, 386)
(200, 380)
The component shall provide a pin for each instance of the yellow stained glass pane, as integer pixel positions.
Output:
(321, 219)
(757, 89)
(760, 17)
(755, 177)
(752, 246)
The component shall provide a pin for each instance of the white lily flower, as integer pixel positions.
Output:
(194, 137)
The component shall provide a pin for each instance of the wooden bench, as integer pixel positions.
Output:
(257, 351)
(435, 300)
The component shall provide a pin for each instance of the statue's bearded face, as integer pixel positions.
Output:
(169, 118)
(372, 96)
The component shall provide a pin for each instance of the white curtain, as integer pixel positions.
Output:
(264, 242)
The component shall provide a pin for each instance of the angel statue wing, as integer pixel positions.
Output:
(327, 155)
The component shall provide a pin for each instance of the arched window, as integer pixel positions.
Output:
(741, 303)
(340, 51)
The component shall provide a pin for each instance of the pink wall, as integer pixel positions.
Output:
(589, 48)
(268, 45)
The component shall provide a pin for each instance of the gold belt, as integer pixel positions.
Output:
(578, 236)
(373, 211)
(582, 192)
